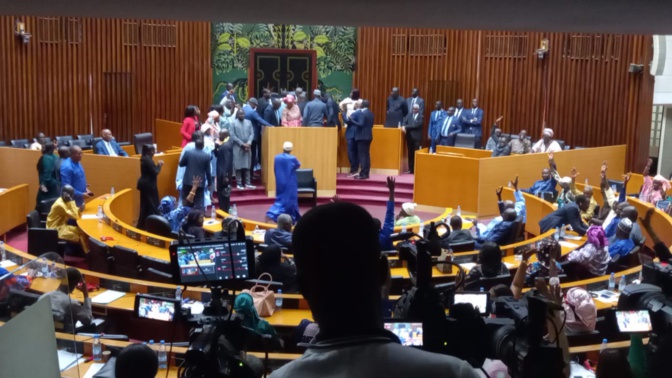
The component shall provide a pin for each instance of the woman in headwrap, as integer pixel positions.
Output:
(548, 251)
(291, 114)
(546, 143)
(271, 262)
(244, 307)
(654, 189)
(594, 254)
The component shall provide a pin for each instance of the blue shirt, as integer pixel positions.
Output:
(73, 174)
(388, 227)
(521, 211)
(176, 217)
(276, 236)
(620, 248)
(610, 230)
(542, 186)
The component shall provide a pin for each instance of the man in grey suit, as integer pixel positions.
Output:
(412, 127)
(415, 99)
(197, 163)
(315, 111)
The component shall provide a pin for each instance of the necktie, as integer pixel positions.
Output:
(413, 103)
(110, 150)
(444, 130)
(277, 116)
(436, 116)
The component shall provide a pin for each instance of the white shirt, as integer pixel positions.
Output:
(541, 147)
(373, 359)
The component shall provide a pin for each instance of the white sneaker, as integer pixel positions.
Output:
(250, 187)
(240, 187)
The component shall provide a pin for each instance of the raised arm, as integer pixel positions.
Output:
(624, 192)
(518, 282)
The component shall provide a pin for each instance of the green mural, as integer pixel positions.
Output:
(334, 45)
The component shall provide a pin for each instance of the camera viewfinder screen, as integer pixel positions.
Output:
(410, 334)
(156, 309)
(633, 321)
(214, 260)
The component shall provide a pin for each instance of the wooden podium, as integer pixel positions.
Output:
(388, 152)
(315, 147)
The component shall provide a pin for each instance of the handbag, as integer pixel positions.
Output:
(446, 257)
(264, 299)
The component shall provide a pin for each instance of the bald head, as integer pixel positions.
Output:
(509, 215)
(285, 222)
(630, 212)
(68, 193)
(75, 154)
(106, 134)
(588, 191)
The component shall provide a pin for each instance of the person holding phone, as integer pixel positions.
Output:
(63, 217)
(64, 307)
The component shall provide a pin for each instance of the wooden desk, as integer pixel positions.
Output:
(388, 151)
(167, 134)
(535, 208)
(15, 205)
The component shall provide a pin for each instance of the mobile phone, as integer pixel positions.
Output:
(633, 321)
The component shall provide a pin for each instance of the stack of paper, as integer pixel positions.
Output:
(107, 297)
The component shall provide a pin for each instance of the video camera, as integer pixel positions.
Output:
(514, 337)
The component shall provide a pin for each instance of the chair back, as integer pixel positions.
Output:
(20, 143)
(513, 234)
(488, 283)
(304, 178)
(3, 143)
(463, 247)
(465, 140)
(33, 220)
(64, 140)
(158, 225)
(126, 261)
(154, 275)
(80, 143)
(140, 139)
(561, 143)
(44, 207)
(157, 266)
(42, 240)
(100, 258)
(88, 138)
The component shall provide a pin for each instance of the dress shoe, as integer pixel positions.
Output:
(361, 177)
(408, 173)
(240, 187)
(352, 174)
(250, 187)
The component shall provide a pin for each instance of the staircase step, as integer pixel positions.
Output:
(371, 183)
(373, 190)
(368, 200)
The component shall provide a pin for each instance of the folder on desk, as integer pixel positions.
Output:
(107, 297)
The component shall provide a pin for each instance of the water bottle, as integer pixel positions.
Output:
(163, 356)
(234, 211)
(612, 281)
(99, 214)
(112, 192)
(278, 300)
(213, 214)
(45, 268)
(621, 284)
(603, 347)
(399, 125)
(3, 253)
(151, 346)
(613, 187)
(459, 211)
(509, 185)
(403, 226)
(422, 230)
(178, 293)
(556, 235)
(97, 349)
(562, 231)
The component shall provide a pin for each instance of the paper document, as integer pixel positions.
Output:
(97, 322)
(66, 360)
(572, 237)
(93, 369)
(89, 216)
(568, 244)
(7, 263)
(107, 297)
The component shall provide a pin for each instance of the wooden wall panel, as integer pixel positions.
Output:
(69, 76)
(582, 89)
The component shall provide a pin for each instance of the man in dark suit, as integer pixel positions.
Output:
(435, 123)
(397, 109)
(197, 163)
(569, 214)
(257, 121)
(415, 99)
(448, 129)
(471, 121)
(332, 111)
(350, 131)
(264, 101)
(412, 127)
(224, 169)
(363, 137)
(501, 233)
(108, 146)
(272, 113)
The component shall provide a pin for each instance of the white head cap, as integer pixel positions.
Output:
(287, 146)
(548, 132)
(409, 208)
(213, 114)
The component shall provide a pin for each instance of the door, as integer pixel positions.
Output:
(280, 70)
(118, 105)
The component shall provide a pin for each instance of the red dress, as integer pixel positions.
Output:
(188, 128)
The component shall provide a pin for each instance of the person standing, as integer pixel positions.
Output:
(291, 114)
(286, 187)
(197, 163)
(332, 111)
(397, 109)
(412, 128)
(48, 175)
(300, 99)
(363, 137)
(39, 142)
(229, 95)
(149, 192)
(347, 105)
(273, 114)
(415, 99)
(264, 101)
(190, 123)
(242, 135)
(72, 173)
(435, 123)
(108, 146)
(459, 110)
(350, 130)
(251, 114)
(471, 121)
(224, 169)
(315, 111)
(449, 129)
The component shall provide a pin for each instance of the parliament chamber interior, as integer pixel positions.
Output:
(283, 195)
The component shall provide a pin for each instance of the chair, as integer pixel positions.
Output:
(44, 207)
(616, 183)
(154, 275)
(155, 270)
(488, 283)
(80, 143)
(86, 137)
(64, 140)
(515, 231)
(43, 240)
(19, 143)
(463, 247)
(465, 141)
(307, 184)
(126, 262)
(141, 139)
(3, 143)
(158, 225)
(561, 143)
(95, 141)
(100, 258)
(33, 220)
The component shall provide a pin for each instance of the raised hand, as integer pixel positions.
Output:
(574, 173)
(626, 178)
(550, 156)
(529, 253)
(498, 120)
(499, 191)
(391, 182)
(196, 181)
(515, 183)
(604, 167)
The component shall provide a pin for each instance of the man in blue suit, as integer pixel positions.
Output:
(108, 146)
(448, 129)
(471, 121)
(350, 130)
(435, 122)
(363, 137)
(256, 120)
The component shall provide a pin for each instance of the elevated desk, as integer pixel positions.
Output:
(388, 151)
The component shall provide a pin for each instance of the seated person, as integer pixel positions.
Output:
(490, 263)
(501, 233)
(594, 254)
(500, 290)
(569, 191)
(547, 254)
(174, 215)
(502, 148)
(521, 145)
(136, 361)
(654, 189)
(386, 230)
(63, 217)
(244, 307)
(569, 214)
(108, 145)
(587, 215)
(622, 245)
(546, 143)
(63, 307)
(406, 216)
(282, 234)
(611, 223)
(193, 224)
(495, 134)
(457, 235)
(637, 237)
(546, 184)
(281, 268)
(352, 337)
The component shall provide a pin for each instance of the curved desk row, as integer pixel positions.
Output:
(13, 202)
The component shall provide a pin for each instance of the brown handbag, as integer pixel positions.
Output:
(264, 299)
